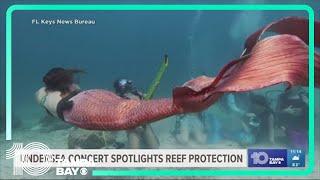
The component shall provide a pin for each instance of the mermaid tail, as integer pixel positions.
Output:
(273, 60)
(103, 110)
(290, 25)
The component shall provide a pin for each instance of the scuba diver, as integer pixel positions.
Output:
(142, 136)
(187, 129)
(292, 116)
(125, 87)
(264, 118)
(257, 119)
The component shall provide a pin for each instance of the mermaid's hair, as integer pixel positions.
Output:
(60, 79)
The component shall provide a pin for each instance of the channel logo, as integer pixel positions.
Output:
(71, 171)
(267, 158)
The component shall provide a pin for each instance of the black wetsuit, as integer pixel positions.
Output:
(291, 121)
(262, 111)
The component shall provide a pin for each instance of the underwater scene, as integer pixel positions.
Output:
(146, 55)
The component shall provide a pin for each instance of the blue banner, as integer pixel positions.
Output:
(267, 158)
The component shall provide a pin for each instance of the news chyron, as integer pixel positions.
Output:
(37, 159)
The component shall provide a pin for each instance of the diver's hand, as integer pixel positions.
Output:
(141, 95)
(138, 93)
(304, 98)
(251, 115)
(293, 111)
(131, 96)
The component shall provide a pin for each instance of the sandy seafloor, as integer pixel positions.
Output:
(58, 140)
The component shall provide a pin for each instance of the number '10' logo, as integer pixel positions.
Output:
(259, 157)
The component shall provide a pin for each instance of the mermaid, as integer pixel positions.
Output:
(281, 58)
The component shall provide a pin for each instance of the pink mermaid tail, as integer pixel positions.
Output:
(103, 110)
(273, 60)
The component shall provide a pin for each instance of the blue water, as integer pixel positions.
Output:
(128, 44)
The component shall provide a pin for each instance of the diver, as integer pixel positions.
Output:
(142, 136)
(292, 116)
(190, 128)
(256, 118)
(264, 116)
(125, 87)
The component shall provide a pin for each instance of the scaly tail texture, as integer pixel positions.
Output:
(273, 60)
(103, 110)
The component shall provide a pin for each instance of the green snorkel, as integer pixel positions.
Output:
(155, 83)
